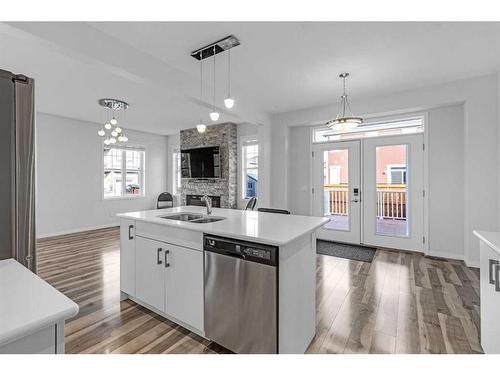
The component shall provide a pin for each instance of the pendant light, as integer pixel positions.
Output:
(201, 127)
(112, 136)
(229, 102)
(345, 120)
(214, 115)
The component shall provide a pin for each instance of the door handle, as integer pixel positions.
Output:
(166, 258)
(130, 237)
(497, 278)
(158, 260)
(492, 262)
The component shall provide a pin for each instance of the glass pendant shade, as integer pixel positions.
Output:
(101, 133)
(229, 103)
(107, 126)
(113, 121)
(107, 141)
(214, 116)
(114, 133)
(112, 140)
(201, 128)
(118, 129)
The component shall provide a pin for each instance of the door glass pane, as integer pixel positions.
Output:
(392, 188)
(336, 188)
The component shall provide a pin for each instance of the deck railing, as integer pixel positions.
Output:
(391, 200)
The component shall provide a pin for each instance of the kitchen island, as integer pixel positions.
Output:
(175, 261)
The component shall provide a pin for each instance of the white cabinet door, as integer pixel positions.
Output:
(490, 301)
(184, 285)
(127, 256)
(150, 272)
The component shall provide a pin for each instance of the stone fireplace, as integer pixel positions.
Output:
(224, 188)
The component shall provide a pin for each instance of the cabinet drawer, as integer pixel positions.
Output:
(176, 236)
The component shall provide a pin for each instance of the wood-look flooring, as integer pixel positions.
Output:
(400, 303)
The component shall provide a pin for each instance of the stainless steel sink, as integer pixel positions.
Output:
(193, 218)
(208, 219)
(185, 216)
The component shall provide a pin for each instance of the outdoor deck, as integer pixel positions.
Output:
(387, 227)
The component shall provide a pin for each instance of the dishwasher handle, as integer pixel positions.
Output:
(234, 255)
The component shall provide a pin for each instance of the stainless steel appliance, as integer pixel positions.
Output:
(241, 295)
(17, 168)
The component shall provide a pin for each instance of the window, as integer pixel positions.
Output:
(412, 125)
(119, 162)
(396, 174)
(250, 168)
(176, 169)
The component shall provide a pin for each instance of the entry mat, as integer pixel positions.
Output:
(353, 252)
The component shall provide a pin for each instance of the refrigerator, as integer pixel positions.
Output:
(17, 169)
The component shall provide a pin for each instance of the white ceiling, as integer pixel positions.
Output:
(279, 67)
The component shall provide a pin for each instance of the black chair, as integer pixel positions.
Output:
(165, 200)
(273, 210)
(251, 204)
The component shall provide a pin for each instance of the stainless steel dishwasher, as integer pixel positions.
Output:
(241, 295)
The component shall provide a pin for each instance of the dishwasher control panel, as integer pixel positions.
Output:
(259, 253)
(250, 251)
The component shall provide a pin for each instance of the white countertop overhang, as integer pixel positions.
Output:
(270, 228)
(28, 303)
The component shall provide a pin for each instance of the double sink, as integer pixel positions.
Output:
(193, 218)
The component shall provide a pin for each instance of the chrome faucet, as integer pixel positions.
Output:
(208, 202)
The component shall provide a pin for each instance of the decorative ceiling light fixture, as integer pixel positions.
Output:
(345, 119)
(201, 127)
(116, 134)
(214, 115)
(229, 102)
(211, 50)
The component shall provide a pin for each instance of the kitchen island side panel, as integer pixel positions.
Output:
(297, 294)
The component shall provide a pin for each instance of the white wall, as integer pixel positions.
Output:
(445, 147)
(480, 170)
(69, 195)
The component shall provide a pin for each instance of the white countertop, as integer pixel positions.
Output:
(27, 303)
(274, 229)
(492, 239)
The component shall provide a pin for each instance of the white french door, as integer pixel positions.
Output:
(337, 183)
(393, 209)
(372, 191)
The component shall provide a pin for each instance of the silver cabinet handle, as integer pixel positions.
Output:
(166, 258)
(492, 262)
(497, 278)
(158, 251)
(130, 237)
(355, 200)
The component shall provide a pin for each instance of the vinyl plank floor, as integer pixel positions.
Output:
(402, 302)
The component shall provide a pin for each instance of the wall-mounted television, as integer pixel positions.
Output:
(203, 162)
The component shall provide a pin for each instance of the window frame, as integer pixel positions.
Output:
(125, 196)
(402, 168)
(389, 121)
(176, 172)
(246, 141)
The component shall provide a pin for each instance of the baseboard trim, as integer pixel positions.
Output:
(77, 230)
(447, 255)
(472, 263)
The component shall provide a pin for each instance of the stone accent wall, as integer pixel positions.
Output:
(224, 136)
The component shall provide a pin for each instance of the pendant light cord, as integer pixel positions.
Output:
(201, 79)
(229, 73)
(214, 82)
